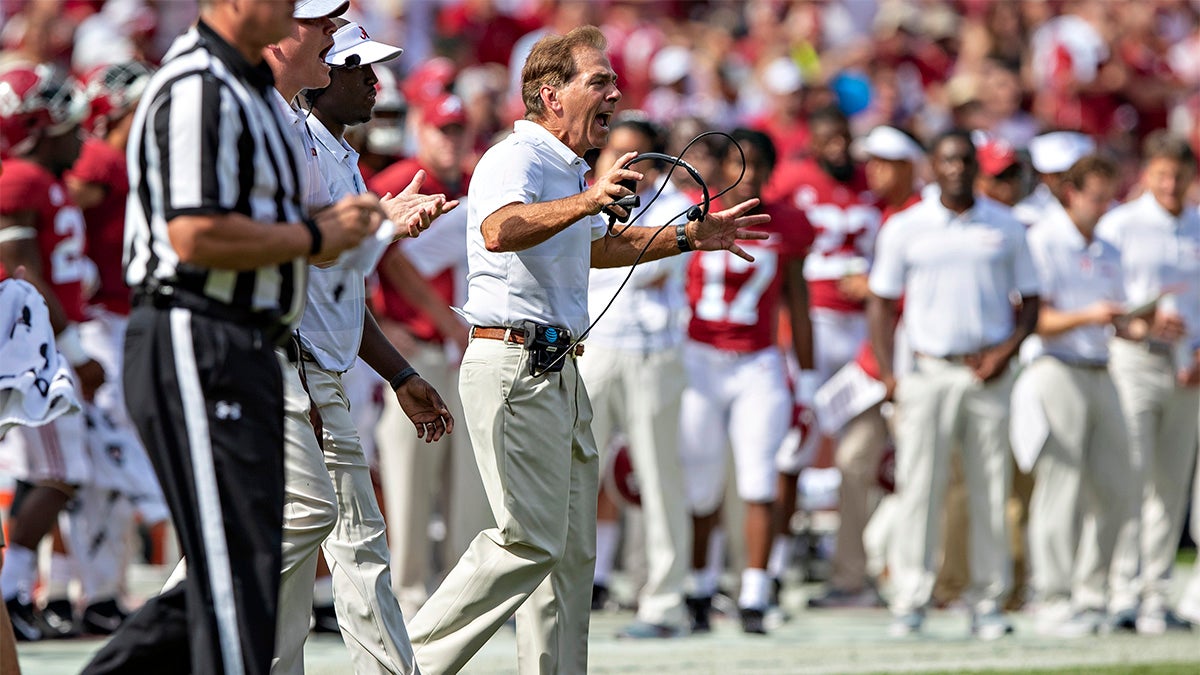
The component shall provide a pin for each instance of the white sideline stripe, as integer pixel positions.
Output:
(212, 522)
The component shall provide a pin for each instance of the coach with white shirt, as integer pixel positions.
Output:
(957, 259)
(1083, 466)
(1158, 378)
(534, 233)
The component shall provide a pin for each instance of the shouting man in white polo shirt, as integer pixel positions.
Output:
(534, 230)
(957, 259)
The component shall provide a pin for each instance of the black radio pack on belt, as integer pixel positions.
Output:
(546, 346)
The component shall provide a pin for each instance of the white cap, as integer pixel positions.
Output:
(782, 77)
(318, 9)
(670, 64)
(352, 40)
(890, 143)
(1058, 151)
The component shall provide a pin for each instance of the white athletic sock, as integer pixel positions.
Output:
(756, 589)
(323, 592)
(19, 573)
(607, 536)
(58, 583)
(781, 554)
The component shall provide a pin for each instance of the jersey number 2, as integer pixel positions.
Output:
(66, 260)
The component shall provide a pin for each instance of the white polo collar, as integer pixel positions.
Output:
(542, 135)
(337, 147)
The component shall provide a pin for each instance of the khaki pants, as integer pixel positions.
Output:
(411, 471)
(533, 441)
(640, 394)
(954, 566)
(309, 515)
(941, 405)
(1018, 536)
(368, 614)
(1083, 471)
(1162, 422)
(858, 453)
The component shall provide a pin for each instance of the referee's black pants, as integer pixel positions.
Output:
(206, 396)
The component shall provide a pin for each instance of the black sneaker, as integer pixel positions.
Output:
(26, 625)
(752, 621)
(599, 597)
(103, 618)
(58, 619)
(1123, 621)
(699, 610)
(325, 620)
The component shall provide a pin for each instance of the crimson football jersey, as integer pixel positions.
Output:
(394, 179)
(845, 219)
(102, 164)
(735, 303)
(25, 186)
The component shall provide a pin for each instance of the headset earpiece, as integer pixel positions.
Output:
(695, 213)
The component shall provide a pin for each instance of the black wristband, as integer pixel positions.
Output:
(681, 239)
(315, 233)
(401, 377)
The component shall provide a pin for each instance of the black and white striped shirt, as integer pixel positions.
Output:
(208, 139)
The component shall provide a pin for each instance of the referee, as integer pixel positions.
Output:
(216, 248)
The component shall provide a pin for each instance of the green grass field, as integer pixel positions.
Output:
(1130, 669)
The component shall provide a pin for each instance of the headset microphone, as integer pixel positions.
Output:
(628, 203)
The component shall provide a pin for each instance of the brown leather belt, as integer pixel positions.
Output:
(513, 335)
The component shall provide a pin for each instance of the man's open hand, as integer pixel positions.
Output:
(722, 230)
(413, 212)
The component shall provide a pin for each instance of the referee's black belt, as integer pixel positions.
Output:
(269, 322)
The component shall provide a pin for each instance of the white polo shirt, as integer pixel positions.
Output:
(1075, 274)
(546, 283)
(956, 272)
(647, 316)
(313, 184)
(331, 328)
(1160, 253)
